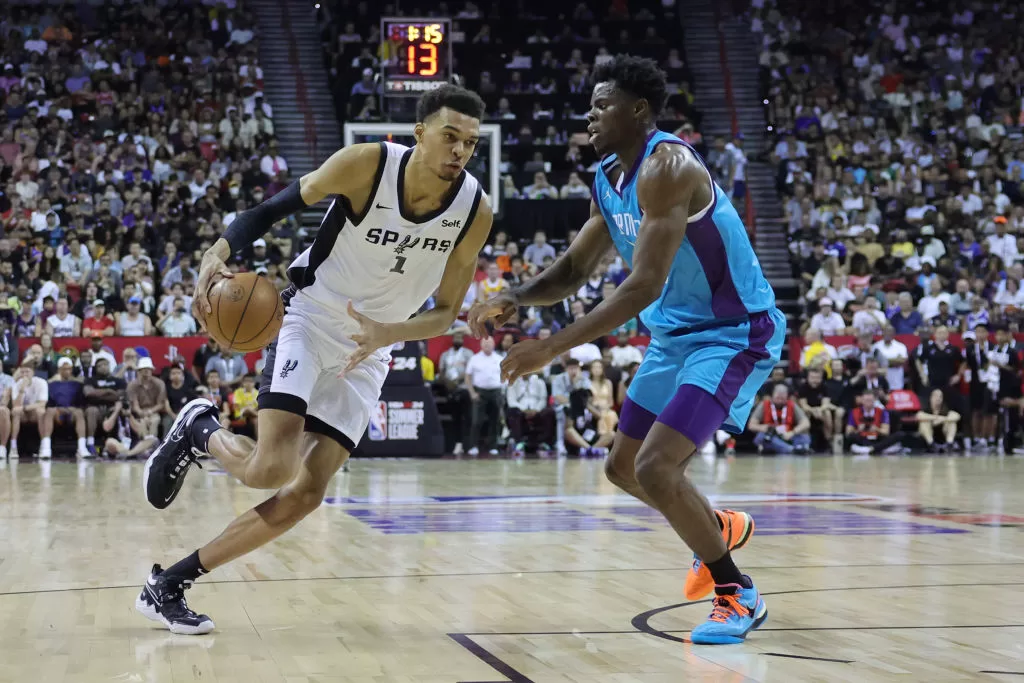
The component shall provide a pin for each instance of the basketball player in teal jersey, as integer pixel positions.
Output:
(697, 285)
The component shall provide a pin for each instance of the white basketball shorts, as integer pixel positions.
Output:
(301, 373)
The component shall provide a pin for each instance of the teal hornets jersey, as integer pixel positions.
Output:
(715, 277)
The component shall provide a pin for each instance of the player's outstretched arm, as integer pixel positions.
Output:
(666, 185)
(458, 275)
(565, 276)
(349, 172)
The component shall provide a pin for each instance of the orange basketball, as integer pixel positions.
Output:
(247, 312)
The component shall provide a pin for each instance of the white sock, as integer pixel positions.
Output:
(81, 444)
(44, 444)
(90, 441)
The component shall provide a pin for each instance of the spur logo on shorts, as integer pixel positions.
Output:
(288, 368)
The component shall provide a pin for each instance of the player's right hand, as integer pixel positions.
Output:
(212, 270)
(496, 310)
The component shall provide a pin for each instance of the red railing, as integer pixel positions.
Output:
(723, 59)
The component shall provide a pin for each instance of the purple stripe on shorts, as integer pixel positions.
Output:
(707, 243)
(762, 329)
(694, 413)
(635, 420)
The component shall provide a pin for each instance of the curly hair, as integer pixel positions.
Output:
(639, 76)
(452, 96)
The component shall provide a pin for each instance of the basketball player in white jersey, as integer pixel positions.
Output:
(404, 223)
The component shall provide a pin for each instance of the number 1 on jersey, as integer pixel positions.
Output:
(399, 262)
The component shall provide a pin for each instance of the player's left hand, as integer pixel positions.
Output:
(372, 335)
(525, 357)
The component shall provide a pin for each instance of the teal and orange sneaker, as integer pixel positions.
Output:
(737, 528)
(733, 617)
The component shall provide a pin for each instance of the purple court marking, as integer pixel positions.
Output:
(772, 520)
(493, 518)
(787, 520)
(743, 499)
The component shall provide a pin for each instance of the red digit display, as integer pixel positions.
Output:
(420, 55)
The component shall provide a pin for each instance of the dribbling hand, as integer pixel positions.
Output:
(497, 310)
(212, 270)
(372, 335)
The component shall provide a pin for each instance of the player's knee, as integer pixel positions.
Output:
(302, 502)
(274, 462)
(653, 470)
(619, 468)
(268, 475)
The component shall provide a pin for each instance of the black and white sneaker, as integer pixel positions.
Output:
(166, 468)
(163, 599)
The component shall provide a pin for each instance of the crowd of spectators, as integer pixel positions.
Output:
(531, 61)
(131, 135)
(572, 405)
(899, 154)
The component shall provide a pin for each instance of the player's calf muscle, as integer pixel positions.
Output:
(277, 453)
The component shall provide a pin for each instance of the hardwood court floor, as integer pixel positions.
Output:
(907, 569)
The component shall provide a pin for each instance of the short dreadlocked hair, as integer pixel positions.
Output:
(639, 76)
(452, 96)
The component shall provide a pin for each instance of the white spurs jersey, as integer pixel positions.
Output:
(386, 261)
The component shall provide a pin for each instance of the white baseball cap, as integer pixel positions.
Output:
(145, 362)
(65, 362)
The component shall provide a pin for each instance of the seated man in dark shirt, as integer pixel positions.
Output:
(65, 404)
(826, 416)
(102, 392)
(945, 318)
(125, 434)
(837, 387)
(906, 320)
(778, 376)
(868, 428)
(812, 264)
(871, 378)
(178, 394)
(201, 357)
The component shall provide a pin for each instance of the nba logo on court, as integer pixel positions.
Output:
(378, 428)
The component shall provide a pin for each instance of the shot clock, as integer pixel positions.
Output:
(420, 55)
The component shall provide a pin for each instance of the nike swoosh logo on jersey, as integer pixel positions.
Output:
(386, 208)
